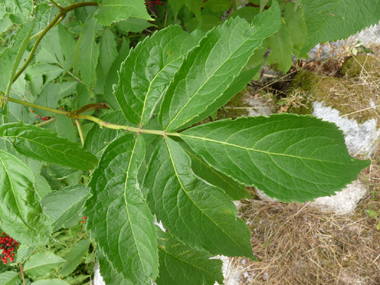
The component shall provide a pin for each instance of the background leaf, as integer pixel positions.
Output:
(63, 205)
(10, 57)
(20, 210)
(108, 51)
(210, 68)
(50, 282)
(74, 257)
(183, 265)
(40, 264)
(115, 10)
(19, 10)
(9, 278)
(43, 145)
(195, 212)
(119, 220)
(148, 70)
(334, 20)
(89, 52)
(289, 157)
(110, 276)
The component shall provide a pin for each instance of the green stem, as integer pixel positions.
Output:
(45, 123)
(80, 130)
(102, 124)
(61, 15)
(57, 5)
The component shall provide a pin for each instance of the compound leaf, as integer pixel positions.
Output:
(20, 210)
(211, 67)
(115, 10)
(118, 218)
(333, 20)
(62, 205)
(183, 265)
(192, 209)
(43, 145)
(289, 157)
(40, 264)
(148, 70)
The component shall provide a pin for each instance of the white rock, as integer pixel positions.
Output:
(231, 274)
(359, 138)
(343, 202)
(98, 279)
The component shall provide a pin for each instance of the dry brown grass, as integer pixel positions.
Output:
(296, 244)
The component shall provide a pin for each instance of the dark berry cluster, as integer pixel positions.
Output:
(8, 247)
(151, 3)
(42, 118)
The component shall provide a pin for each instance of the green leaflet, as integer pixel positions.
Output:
(88, 52)
(118, 218)
(281, 47)
(110, 276)
(194, 211)
(20, 210)
(134, 25)
(149, 69)
(50, 282)
(39, 73)
(233, 188)
(9, 278)
(63, 205)
(211, 67)
(40, 264)
(19, 10)
(115, 10)
(239, 83)
(11, 57)
(67, 44)
(43, 145)
(108, 51)
(42, 17)
(113, 77)
(289, 157)
(218, 5)
(74, 257)
(329, 20)
(183, 265)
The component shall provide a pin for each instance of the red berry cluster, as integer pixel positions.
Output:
(8, 245)
(83, 220)
(42, 118)
(151, 3)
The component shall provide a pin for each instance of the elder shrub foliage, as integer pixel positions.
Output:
(98, 106)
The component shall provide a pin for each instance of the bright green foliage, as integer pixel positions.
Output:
(328, 20)
(143, 82)
(281, 49)
(75, 256)
(308, 155)
(121, 222)
(89, 52)
(9, 278)
(63, 205)
(116, 10)
(10, 58)
(19, 10)
(20, 210)
(40, 264)
(181, 264)
(190, 208)
(43, 145)
(158, 80)
(210, 68)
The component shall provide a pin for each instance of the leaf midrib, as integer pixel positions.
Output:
(256, 150)
(195, 204)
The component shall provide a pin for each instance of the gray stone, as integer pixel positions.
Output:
(343, 202)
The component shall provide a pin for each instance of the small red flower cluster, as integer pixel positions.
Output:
(42, 118)
(83, 219)
(8, 245)
(151, 3)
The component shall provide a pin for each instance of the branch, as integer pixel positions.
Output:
(102, 124)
